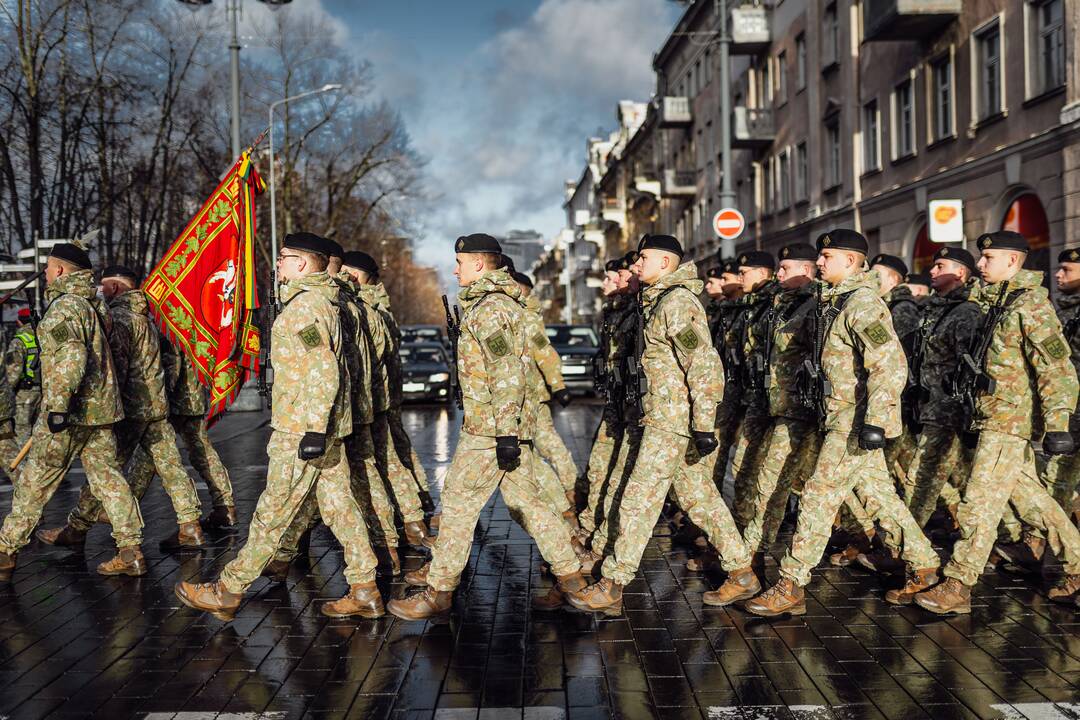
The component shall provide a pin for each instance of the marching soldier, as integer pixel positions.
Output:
(861, 410)
(312, 412)
(919, 285)
(493, 450)
(678, 445)
(9, 448)
(22, 366)
(136, 353)
(1063, 471)
(725, 338)
(81, 402)
(1026, 387)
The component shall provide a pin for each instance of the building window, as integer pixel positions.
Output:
(800, 62)
(769, 187)
(781, 77)
(784, 179)
(904, 119)
(943, 94)
(1050, 45)
(988, 70)
(871, 137)
(801, 172)
(832, 152)
(830, 36)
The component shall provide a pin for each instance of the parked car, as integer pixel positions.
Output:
(425, 334)
(425, 372)
(577, 345)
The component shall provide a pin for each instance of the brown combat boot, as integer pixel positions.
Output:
(417, 535)
(783, 598)
(7, 566)
(1067, 591)
(590, 562)
(363, 599)
(128, 561)
(604, 596)
(556, 596)
(885, 562)
(209, 597)
(859, 544)
(1028, 553)
(277, 571)
(917, 581)
(951, 596)
(418, 577)
(389, 561)
(222, 517)
(741, 584)
(65, 536)
(570, 516)
(188, 537)
(428, 604)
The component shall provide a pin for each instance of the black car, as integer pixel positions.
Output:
(425, 372)
(412, 334)
(577, 345)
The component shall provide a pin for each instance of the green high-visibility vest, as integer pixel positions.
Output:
(30, 364)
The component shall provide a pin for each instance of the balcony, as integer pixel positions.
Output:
(751, 29)
(751, 128)
(678, 183)
(675, 112)
(907, 19)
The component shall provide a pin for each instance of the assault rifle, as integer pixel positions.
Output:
(811, 384)
(453, 331)
(912, 396)
(637, 385)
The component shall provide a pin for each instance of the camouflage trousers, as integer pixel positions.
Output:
(746, 465)
(551, 488)
(1003, 475)
(473, 477)
(1061, 473)
(548, 445)
(899, 453)
(289, 482)
(50, 457)
(405, 451)
(939, 455)
(788, 459)
(9, 446)
(602, 461)
(608, 502)
(843, 467)
(402, 484)
(727, 429)
(27, 405)
(158, 441)
(668, 460)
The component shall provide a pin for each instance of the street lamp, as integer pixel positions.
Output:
(273, 205)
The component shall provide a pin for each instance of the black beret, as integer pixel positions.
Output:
(667, 243)
(72, 254)
(361, 261)
(335, 249)
(729, 267)
(892, 262)
(715, 272)
(507, 263)
(1002, 240)
(1072, 255)
(957, 255)
(798, 251)
(918, 279)
(309, 242)
(521, 279)
(477, 243)
(613, 266)
(843, 239)
(119, 271)
(629, 259)
(757, 258)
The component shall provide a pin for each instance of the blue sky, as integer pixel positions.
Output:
(500, 97)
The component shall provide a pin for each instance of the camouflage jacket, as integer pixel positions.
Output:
(754, 329)
(136, 352)
(187, 396)
(7, 395)
(357, 349)
(494, 359)
(862, 359)
(544, 356)
(381, 347)
(791, 320)
(77, 374)
(380, 300)
(1028, 359)
(906, 314)
(686, 380)
(311, 378)
(949, 323)
(1068, 313)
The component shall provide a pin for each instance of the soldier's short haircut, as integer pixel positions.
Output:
(492, 261)
(319, 261)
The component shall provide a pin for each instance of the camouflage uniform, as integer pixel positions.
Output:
(311, 394)
(493, 359)
(9, 446)
(945, 332)
(726, 334)
(1062, 472)
(22, 366)
(77, 378)
(685, 384)
(906, 318)
(864, 363)
(1036, 391)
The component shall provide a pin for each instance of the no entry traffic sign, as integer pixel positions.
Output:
(729, 223)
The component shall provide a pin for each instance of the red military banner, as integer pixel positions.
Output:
(202, 292)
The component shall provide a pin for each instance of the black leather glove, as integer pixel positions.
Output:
(705, 442)
(312, 445)
(562, 397)
(1058, 443)
(57, 421)
(871, 437)
(507, 452)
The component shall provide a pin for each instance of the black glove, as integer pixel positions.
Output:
(312, 445)
(507, 452)
(1058, 443)
(562, 397)
(871, 437)
(57, 421)
(705, 442)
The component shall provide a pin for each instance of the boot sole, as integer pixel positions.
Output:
(782, 613)
(367, 615)
(941, 611)
(747, 595)
(223, 615)
(118, 573)
(438, 618)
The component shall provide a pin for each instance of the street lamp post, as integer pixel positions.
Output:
(273, 204)
(727, 195)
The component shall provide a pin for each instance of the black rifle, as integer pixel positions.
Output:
(265, 380)
(912, 396)
(453, 331)
(600, 359)
(811, 383)
(637, 385)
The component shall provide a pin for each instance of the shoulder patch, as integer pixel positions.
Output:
(310, 336)
(60, 333)
(877, 334)
(1055, 347)
(539, 340)
(498, 344)
(688, 338)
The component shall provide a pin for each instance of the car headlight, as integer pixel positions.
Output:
(439, 377)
